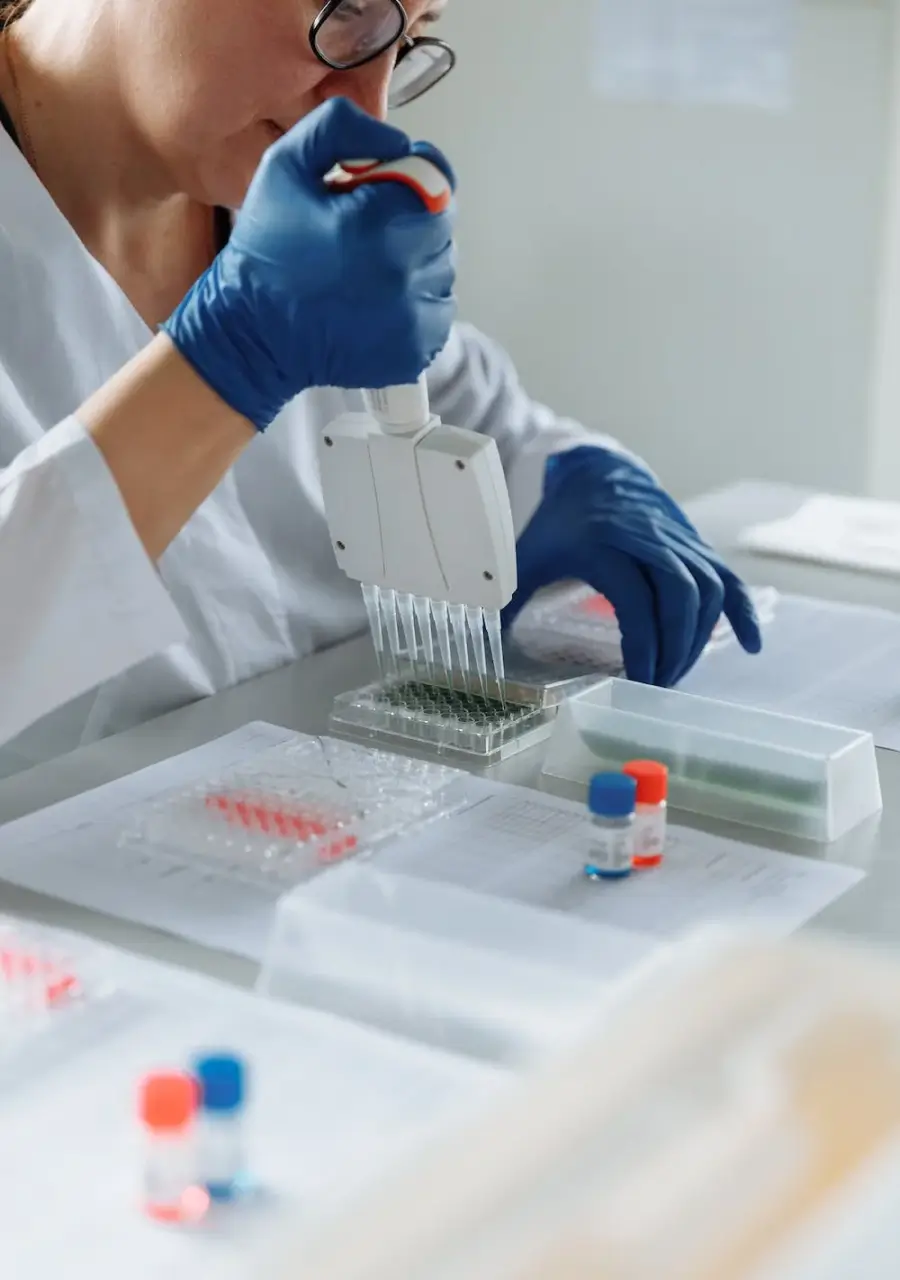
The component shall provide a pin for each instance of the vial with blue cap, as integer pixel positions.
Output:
(222, 1081)
(612, 800)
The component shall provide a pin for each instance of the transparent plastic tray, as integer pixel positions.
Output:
(576, 625)
(527, 680)
(56, 995)
(443, 721)
(470, 973)
(294, 810)
(809, 780)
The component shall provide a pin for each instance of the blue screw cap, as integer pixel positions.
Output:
(612, 795)
(223, 1081)
(600, 873)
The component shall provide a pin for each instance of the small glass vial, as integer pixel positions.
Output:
(167, 1106)
(611, 800)
(652, 780)
(222, 1081)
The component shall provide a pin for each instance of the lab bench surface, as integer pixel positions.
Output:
(299, 697)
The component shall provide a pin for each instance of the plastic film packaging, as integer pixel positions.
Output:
(736, 1098)
(467, 972)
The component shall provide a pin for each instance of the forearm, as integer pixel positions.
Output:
(167, 439)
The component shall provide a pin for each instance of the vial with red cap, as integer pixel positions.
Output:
(167, 1107)
(652, 779)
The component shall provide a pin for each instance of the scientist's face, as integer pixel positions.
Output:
(212, 85)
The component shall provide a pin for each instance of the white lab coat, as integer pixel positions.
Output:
(252, 575)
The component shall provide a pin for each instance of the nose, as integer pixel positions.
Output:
(366, 86)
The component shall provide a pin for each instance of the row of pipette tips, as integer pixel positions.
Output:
(442, 638)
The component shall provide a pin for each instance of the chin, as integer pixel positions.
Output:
(224, 180)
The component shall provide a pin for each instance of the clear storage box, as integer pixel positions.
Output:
(757, 768)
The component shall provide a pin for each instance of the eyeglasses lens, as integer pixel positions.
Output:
(418, 71)
(358, 30)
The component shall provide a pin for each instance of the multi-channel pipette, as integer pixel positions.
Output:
(419, 512)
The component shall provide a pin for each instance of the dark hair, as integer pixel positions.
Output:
(10, 10)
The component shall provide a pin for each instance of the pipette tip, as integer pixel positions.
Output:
(439, 641)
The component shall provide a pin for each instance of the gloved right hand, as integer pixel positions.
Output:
(318, 288)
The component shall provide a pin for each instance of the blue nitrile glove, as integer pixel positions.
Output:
(604, 520)
(317, 288)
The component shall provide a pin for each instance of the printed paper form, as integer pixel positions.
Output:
(532, 850)
(853, 533)
(834, 663)
(510, 842)
(71, 851)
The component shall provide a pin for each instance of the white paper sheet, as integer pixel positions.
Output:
(532, 849)
(834, 663)
(516, 843)
(737, 52)
(69, 851)
(852, 533)
(332, 1107)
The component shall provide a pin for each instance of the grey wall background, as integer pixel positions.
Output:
(702, 282)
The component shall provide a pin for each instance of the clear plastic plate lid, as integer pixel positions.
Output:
(575, 624)
(296, 809)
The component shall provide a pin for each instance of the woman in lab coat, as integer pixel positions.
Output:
(127, 126)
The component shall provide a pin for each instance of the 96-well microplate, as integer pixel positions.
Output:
(452, 722)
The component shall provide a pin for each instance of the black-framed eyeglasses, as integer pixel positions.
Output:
(349, 33)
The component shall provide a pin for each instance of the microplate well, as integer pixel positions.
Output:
(528, 681)
(287, 814)
(451, 722)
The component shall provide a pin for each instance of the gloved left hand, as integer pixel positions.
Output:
(604, 520)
